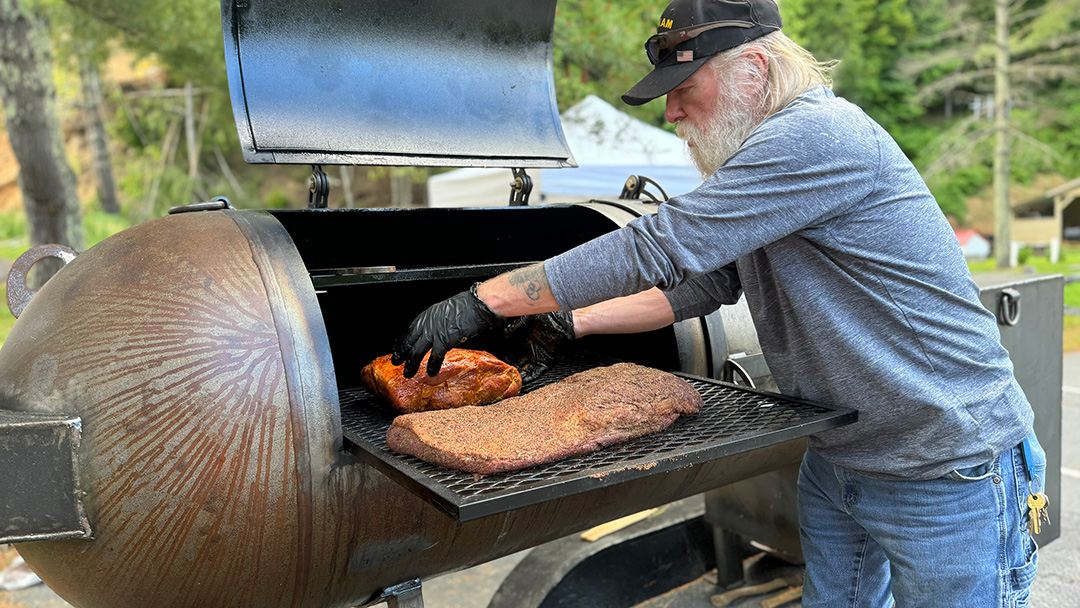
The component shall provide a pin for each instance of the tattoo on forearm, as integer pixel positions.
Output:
(531, 279)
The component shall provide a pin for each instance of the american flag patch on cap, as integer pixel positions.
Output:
(684, 56)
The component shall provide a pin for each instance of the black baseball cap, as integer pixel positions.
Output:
(691, 31)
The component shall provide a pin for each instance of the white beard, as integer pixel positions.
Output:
(733, 118)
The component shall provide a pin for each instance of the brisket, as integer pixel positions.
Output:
(583, 413)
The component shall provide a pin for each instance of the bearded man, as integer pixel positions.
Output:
(861, 298)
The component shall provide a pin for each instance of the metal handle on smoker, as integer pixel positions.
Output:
(1009, 307)
(18, 294)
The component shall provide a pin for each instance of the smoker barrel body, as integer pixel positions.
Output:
(205, 368)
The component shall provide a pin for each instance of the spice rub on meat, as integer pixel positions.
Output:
(467, 377)
(583, 413)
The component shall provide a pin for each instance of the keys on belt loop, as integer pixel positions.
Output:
(1038, 503)
(1038, 512)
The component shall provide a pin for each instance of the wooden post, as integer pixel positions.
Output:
(96, 138)
(400, 187)
(189, 131)
(346, 185)
(1002, 208)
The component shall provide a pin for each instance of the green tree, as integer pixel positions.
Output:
(81, 47)
(1024, 54)
(178, 138)
(868, 37)
(29, 96)
(599, 50)
(1044, 45)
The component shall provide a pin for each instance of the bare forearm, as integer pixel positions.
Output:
(524, 291)
(643, 311)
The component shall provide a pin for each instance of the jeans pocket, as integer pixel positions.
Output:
(975, 473)
(1023, 576)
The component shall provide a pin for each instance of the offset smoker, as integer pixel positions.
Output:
(205, 356)
(193, 373)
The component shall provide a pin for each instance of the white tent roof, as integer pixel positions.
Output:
(608, 145)
(599, 134)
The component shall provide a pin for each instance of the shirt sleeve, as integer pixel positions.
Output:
(703, 294)
(800, 168)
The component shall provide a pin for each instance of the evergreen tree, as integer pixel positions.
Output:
(868, 37)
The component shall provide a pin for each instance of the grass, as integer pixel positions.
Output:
(97, 227)
(15, 242)
(7, 321)
(1072, 290)
(1071, 339)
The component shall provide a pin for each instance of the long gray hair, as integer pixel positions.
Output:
(792, 69)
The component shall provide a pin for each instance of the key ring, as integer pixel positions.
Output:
(1032, 485)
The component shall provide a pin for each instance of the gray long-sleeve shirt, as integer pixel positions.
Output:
(856, 283)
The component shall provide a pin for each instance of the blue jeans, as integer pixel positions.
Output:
(960, 541)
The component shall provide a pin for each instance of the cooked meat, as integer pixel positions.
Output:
(582, 413)
(467, 377)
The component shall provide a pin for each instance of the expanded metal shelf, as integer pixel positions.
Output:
(734, 420)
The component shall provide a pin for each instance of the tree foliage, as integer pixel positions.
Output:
(955, 63)
(868, 37)
(1044, 44)
(916, 66)
(599, 50)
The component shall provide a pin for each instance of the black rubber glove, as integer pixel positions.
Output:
(441, 327)
(546, 333)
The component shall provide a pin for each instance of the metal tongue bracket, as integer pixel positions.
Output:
(19, 293)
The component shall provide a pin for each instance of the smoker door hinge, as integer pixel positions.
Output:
(1009, 307)
(520, 188)
(635, 187)
(318, 188)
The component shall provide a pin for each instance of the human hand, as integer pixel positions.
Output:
(441, 327)
(546, 333)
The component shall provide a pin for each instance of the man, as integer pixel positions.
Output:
(861, 298)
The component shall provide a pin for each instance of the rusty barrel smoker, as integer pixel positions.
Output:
(206, 370)
(191, 370)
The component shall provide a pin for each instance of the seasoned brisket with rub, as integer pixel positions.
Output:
(467, 377)
(583, 413)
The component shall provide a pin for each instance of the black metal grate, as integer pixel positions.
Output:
(734, 420)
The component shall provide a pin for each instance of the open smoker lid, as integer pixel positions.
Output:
(394, 82)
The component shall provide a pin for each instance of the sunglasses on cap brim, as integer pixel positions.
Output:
(660, 46)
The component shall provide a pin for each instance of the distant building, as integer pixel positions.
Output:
(973, 244)
(1046, 220)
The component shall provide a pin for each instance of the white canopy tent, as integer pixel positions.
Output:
(608, 145)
